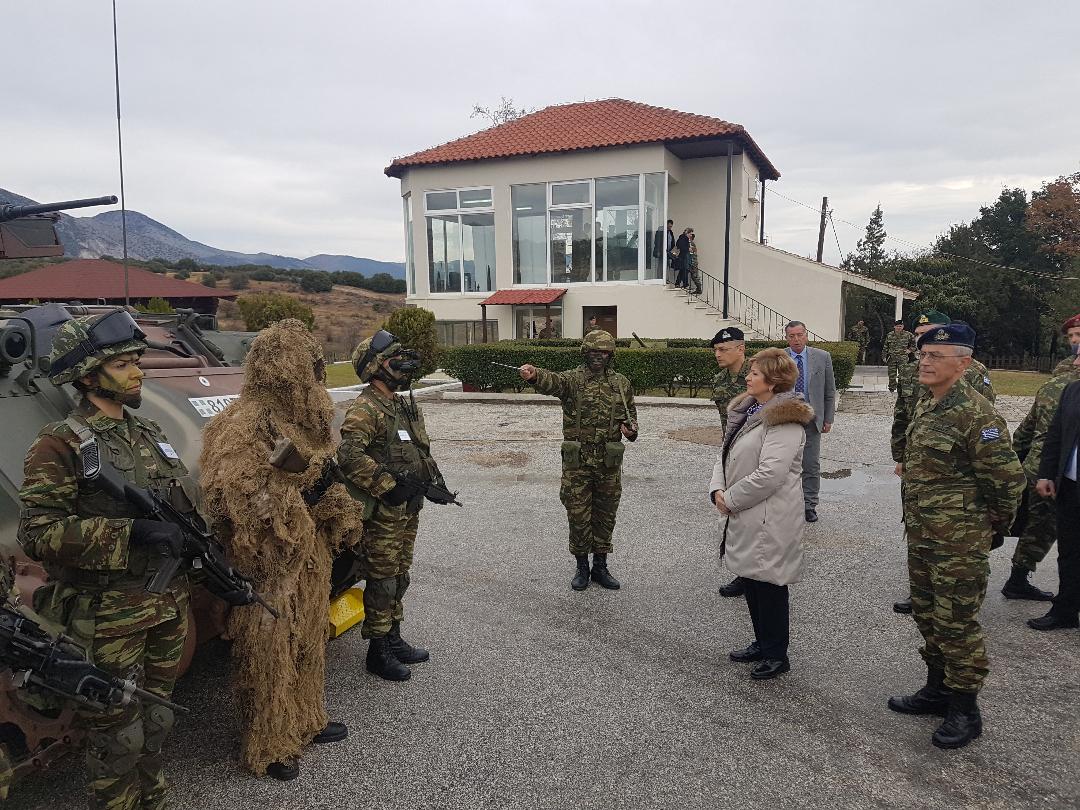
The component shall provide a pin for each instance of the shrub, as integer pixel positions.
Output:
(209, 280)
(265, 274)
(415, 328)
(157, 306)
(239, 281)
(259, 310)
(316, 282)
(183, 275)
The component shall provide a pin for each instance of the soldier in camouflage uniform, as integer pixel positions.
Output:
(598, 412)
(730, 350)
(861, 335)
(962, 483)
(382, 440)
(1038, 529)
(899, 343)
(99, 553)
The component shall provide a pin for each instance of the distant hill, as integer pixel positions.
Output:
(95, 236)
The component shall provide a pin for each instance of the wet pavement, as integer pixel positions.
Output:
(539, 697)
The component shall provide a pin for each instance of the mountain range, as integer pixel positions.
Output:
(100, 235)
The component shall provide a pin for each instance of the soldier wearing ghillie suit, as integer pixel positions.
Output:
(99, 553)
(962, 484)
(384, 444)
(598, 412)
(899, 343)
(282, 528)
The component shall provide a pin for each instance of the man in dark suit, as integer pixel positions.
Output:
(1057, 480)
(818, 387)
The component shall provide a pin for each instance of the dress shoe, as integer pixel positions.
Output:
(334, 732)
(769, 668)
(403, 651)
(903, 606)
(381, 662)
(811, 516)
(283, 771)
(930, 699)
(747, 654)
(962, 724)
(581, 579)
(1018, 587)
(600, 574)
(734, 588)
(1052, 621)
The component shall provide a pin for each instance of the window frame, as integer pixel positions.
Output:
(459, 212)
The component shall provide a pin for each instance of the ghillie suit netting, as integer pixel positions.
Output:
(272, 535)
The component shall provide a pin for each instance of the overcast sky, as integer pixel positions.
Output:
(264, 125)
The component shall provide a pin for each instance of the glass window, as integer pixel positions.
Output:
(444, 253)
(530, 246)
(618, 228)
(570, 193)
(475, 198)
(532, 322)
(461, 333)
(441, 200)
(571, 245)
(410, 263)
(478, 251)
(655, 227)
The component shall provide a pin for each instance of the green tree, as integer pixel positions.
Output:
(316, 282)
(157, 306)
(869, 255)
(259, 310)
(186, 264)
(239, 281)
(209, 280)
(415, 328)
(183, 275)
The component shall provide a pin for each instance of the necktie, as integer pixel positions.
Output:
(800, 384)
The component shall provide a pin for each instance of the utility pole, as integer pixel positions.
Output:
(821, 228)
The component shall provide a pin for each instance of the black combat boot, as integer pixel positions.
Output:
(581, 579)
(734, 588)
(931, 699)
(283, 771)
(381, 661)
(1018, 587)
(903, 606)
(600, 575)
(962, 724)
(334, 732)
(403, 651)
(1053, 621)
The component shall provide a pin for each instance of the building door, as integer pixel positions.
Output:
(606, 319)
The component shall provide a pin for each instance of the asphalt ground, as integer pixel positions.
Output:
(540, 697)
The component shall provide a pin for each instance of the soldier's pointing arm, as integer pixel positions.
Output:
(998, 473)
(49, 528)
(552, 383)
(362, 424)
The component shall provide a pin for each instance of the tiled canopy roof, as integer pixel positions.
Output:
(90, 279)
(546, 295)
(585, 125)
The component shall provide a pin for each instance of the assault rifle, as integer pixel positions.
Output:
(59, 665)
(434, 490)
(201, 550)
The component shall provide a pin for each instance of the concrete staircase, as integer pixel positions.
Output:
(703, 317)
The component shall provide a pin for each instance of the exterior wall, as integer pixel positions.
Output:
(797, 288)
(750, 208)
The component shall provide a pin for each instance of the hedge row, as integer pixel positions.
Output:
(561, 343)
(672, 370)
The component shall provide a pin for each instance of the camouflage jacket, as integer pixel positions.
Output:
(1063, 366)
(897, 344)
(909, 391)
(1030, 436)
(726, 386)
(593, 404)
(860, 335)
(962, 480)
(382, 436)
(81, 533)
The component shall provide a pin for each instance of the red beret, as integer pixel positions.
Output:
(1072, 323)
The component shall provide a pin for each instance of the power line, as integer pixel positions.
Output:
(839, 249)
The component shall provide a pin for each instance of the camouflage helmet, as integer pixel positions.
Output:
(83, 344)
(370, 353)
(598, 341)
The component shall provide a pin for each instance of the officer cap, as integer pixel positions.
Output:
(728, 334)
(598, 341)
(898, 322)
(931, 316)
(82, 345)
(1072, 323)
(952, 334)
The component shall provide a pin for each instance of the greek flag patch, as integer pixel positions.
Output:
(986, 380)
(990, 434)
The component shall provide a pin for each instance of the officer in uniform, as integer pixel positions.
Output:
(99, 552)
(593, 325)
(383, 439)
(1037, 529)
(962, 483)
(861, 335)
(898, 344)
(730, 350)
(598, 412)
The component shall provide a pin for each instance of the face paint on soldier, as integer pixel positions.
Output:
(118, 379)
(596, 360)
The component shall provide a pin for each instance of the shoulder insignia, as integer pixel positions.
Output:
(986, 380)
(990, 434)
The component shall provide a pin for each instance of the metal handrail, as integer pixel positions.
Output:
(741, 307)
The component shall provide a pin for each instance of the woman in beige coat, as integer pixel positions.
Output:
(757, 488)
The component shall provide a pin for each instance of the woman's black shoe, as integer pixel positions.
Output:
(746, 655)
(283, 771)
(734, 588)
(769, 669)
(1051, 621)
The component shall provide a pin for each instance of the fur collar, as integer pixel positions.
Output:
(782, 409)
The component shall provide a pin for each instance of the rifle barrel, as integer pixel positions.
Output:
(150, 697)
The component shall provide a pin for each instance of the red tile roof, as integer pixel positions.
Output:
(545, 295)
(585, 125)
(89, 279)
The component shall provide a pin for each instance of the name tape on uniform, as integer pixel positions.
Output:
(404, 435)
(167, 450)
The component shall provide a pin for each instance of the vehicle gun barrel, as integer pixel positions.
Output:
(9, 211)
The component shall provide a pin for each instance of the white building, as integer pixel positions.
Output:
(561, 214)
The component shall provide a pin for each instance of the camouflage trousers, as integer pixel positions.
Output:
(894, 364)
(947, 590)
(591, 496)
(1039, 534)
(123, 749)
(389, 537)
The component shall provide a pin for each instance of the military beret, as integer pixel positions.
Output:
(952, 334)
(931, 316)
(727, 335)
(1072, 323)
(898, 322)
